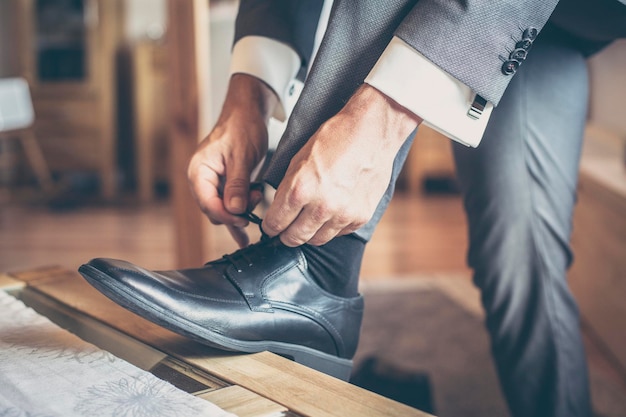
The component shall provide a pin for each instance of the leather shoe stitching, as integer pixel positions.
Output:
(315, 316)
(275, 274)
(230, 275)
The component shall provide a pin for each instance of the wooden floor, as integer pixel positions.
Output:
(416, 236)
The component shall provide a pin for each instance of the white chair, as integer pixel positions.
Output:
(16, 121)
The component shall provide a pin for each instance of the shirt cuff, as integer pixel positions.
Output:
(273, 62)
(414, 82)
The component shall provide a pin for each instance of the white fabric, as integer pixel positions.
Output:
(47, 371)
(406, 76)
(271, 61)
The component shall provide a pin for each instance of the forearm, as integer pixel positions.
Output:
(391, 122)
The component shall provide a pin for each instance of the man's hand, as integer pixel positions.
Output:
(335, 182)
(219, 172)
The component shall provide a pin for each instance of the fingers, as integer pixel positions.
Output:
(315, 223)
(206, 189)
(283, 212)
(328, 233)
(304, 231)
(255, 196)
(237, 188)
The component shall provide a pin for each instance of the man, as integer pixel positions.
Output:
(382, 69)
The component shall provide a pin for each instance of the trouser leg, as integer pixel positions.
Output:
(519, 190)
(365, 232)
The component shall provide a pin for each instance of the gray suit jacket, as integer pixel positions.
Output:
(472, 40)
(467, 39)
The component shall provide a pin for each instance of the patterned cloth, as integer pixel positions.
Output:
(46, 371)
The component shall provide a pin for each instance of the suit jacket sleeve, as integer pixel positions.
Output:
(471, 39)
(291, 22)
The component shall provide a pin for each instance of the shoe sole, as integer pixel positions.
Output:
(332, 365)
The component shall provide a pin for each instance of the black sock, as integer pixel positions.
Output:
(336, 265)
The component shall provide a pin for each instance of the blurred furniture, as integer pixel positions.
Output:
(149, 81)
(67, 53)
(250, 385)
(430, 157)
(188, 107)
(16, 121)
(598, 275)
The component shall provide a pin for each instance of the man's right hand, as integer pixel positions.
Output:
(219, 172)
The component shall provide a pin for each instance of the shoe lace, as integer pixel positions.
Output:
(253, 218)
(236, 257)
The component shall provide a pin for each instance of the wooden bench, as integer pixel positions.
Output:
(249, 385)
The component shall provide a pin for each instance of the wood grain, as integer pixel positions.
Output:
(242, 402)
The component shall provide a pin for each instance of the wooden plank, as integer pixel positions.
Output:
(9, 283)
(39, 276)
(188, 51)
(300, 389)
(243, 403)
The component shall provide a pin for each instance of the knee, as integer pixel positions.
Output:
(514, 245)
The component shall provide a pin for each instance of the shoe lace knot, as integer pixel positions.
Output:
(241, 258)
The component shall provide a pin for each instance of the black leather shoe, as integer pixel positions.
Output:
(258, 298)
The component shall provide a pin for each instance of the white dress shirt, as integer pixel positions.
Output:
(401, 73)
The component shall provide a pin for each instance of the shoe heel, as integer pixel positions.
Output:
(322, 362)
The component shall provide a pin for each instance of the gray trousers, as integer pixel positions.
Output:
(519, 189)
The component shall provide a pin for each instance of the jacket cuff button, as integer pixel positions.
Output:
(530, 34)
(509, 67)
(518, 54)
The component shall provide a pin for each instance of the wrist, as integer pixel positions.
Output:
(249, 96)
(375, 108)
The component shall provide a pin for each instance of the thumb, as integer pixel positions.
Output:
(236, 190)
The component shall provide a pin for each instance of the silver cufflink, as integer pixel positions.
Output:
(477, 107)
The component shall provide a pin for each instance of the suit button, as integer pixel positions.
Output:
(530, 34)
(518, 54)
(524, 44)
(509, 67)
